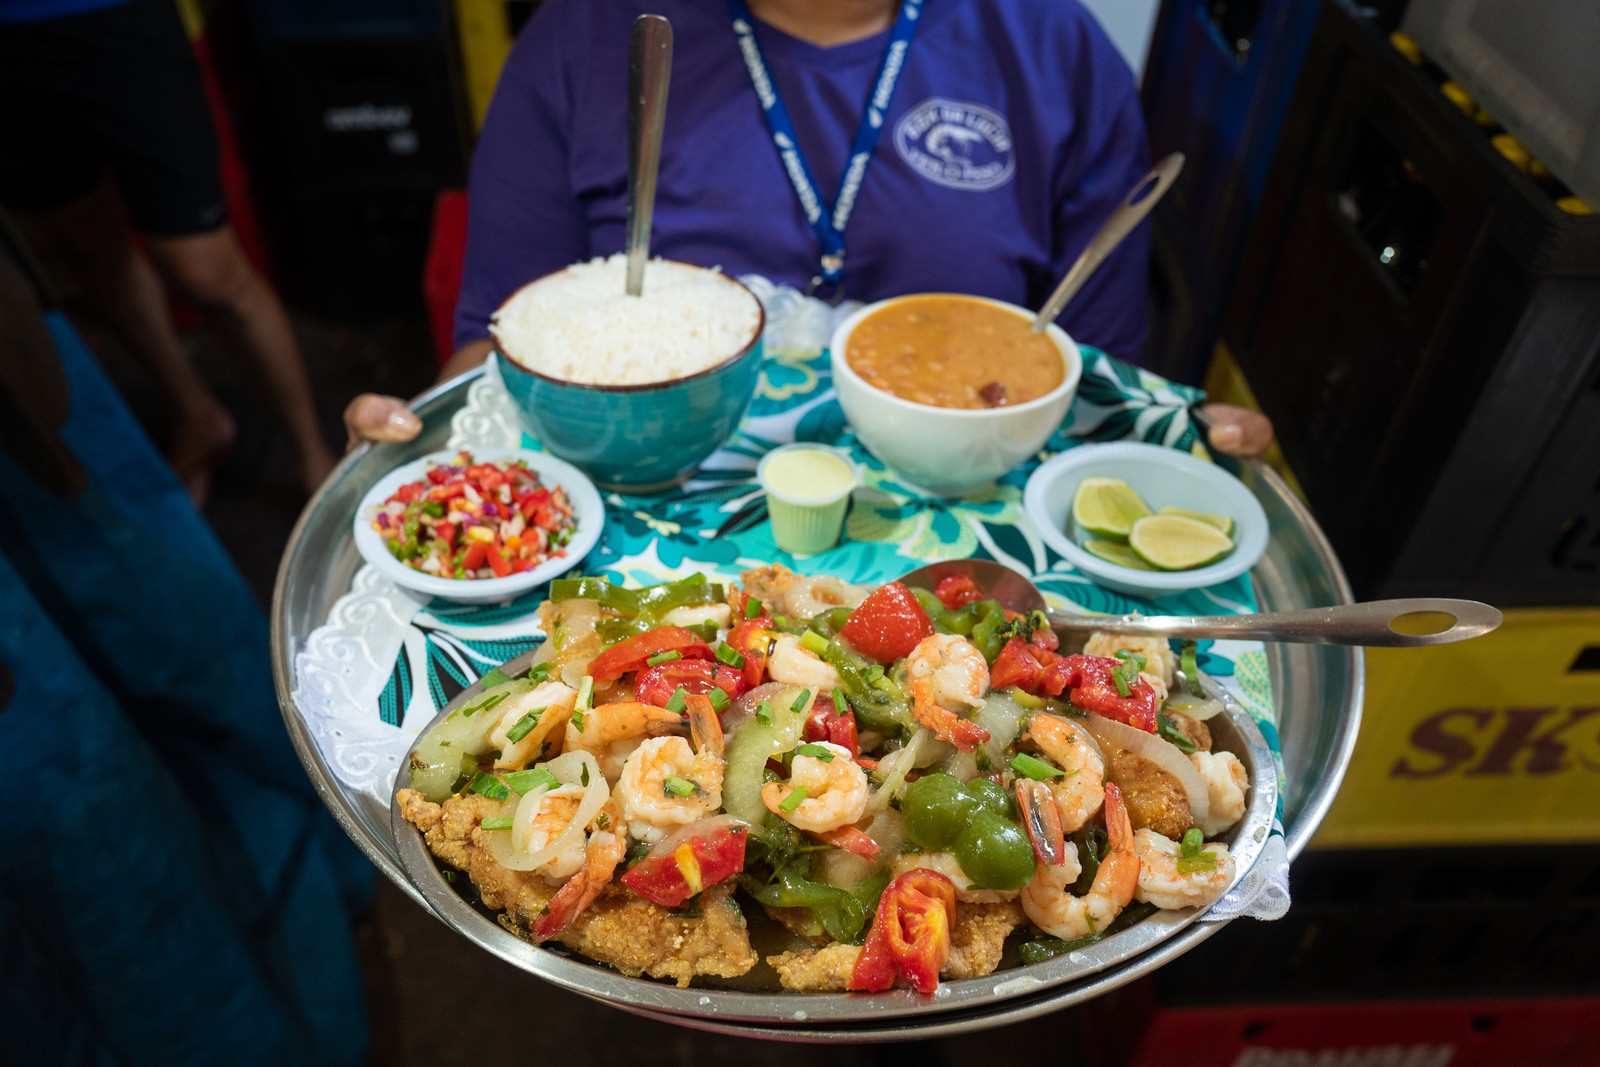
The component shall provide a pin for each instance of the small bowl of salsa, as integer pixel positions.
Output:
(952, 391)
(478, 527)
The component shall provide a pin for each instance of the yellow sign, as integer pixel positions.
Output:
(1492, 740)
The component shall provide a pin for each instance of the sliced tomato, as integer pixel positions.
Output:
(888, 624)
(477, 555)
(1093, 689)
(655, 685)
(910, 934)
(673, 875)
(826, 724)
(1018, 664)
(633, 653)
(752, 639)
(957, 591)
(497, 560)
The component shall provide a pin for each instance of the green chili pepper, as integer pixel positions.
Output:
(994, 852)
(841, 914)
(960, 621)
(989, 632)
(936, 808)
(930, 603)
(830, 622)
(879, 704)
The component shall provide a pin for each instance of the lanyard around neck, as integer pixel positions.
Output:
(827, 223)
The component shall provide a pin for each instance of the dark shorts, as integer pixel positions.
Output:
(117, 89)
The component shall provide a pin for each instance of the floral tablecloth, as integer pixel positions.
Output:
(384, 662)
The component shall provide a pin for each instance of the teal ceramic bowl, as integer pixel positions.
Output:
(638, 438)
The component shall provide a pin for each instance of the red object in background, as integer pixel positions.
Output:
(237, 190)
(441, 274)
(1127, 1029)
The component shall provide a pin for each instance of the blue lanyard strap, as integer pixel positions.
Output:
(827, 223)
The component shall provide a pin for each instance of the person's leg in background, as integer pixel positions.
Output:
(119, 88)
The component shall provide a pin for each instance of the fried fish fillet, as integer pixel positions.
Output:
(619, 928)
(976, 941)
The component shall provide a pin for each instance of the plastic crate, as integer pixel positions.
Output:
(1422, 321)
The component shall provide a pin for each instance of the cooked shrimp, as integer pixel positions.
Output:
(1048, 899)
(602, 853)
(807, 598)
(550, 704)
(667, 783)
(1164, 880)
(835, 790)
(612, 731)
(945, 863)
(946, 673)
(1160, 662)
(553, 813)
(768, 584)
(1081, 790)
(1226, 784)
(793, 665)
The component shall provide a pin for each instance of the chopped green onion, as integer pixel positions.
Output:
(578, 721)
(1024, 698)
(495, 677)
(496, 822)
(524, 725)
(874, 672)
(525, 782)
(764, 713)
(813, 642)
(586, 692)
(753, 608)
(1191, 668)
(539, 672)
(1192, 841)
(664, 657)
(1131, 657)
(679, 787)
(719, 699)
(816, 752)
(727, 655)
(793, 800)
(801, 701)
(1034, 767)
(488, 785)
(483, 705)
(839, 705)
(583, 779)
(678, 700)
(1168, 729)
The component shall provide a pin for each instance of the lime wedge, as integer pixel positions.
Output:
(1221, 522)
(1107, 508)
(1177, 543)
(1111, 552)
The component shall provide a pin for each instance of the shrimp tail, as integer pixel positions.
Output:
(851, 840)
(1118, 875)
(705, 729)
(1041, 817)
(604, 853)
(945, 724)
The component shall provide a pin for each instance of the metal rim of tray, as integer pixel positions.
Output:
(1318, 689)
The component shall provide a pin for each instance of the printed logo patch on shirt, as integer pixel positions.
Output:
(961, 145)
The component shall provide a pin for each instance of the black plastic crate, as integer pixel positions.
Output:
(1423, 323)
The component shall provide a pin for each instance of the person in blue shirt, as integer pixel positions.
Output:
(976, 144)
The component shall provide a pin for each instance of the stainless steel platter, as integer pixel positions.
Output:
(1318, 689)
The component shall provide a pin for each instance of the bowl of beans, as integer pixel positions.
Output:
(952, 391)
(478, 527)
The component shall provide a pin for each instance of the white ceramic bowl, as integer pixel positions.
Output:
(588, 514)
(951, 451)
(1164, 477)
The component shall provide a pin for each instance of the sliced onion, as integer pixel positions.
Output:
(436, 761)
(841, 868)
(962, 764)
(568, 769)
(579, 642)
(1002, 716)
(888, 829)
(1197, 708)
(1164, 754)
(894, 767)
(743, 708)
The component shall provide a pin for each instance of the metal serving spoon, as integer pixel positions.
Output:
(1129, 214)
(649, 68)
(1406, 623)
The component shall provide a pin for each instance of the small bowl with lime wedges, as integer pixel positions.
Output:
(1146, 520)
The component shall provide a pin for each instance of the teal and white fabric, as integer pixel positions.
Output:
(383, 665)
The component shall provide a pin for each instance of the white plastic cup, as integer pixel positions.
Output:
(808, 489)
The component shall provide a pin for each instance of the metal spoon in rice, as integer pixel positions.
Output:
(649, 68)
(1129, 214)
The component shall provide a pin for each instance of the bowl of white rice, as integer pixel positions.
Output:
(636, 391)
